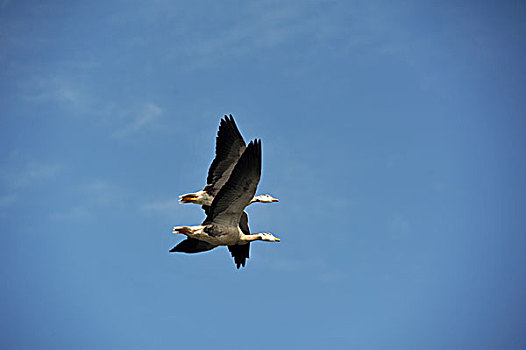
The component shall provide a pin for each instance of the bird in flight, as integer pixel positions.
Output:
(229, 147)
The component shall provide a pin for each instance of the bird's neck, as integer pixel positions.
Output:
(251, 237)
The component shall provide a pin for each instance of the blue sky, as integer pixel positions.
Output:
(393, 134)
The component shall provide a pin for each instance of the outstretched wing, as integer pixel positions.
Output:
(229, 147)
(241, 252)
(239, 190)
(192, 245)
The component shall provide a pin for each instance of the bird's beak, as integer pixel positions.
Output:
(188, 199)
(183, 230)
(277, 239)
(275, 200)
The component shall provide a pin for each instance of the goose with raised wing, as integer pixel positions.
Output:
(229, 147)
(226, 222)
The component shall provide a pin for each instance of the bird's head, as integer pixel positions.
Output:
(265, 198)
(268, 237)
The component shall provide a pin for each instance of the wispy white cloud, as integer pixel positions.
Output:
(101, 193)
(329, 276)
(316, 266)
(162, 206)
(399, 224)
(91, 198)
(74, 213)
(149, 114)
(308, 27)
(255, 28)
(4, 3)
(393, 160)
(59, 91)
(73, 98)
(7, 200)
(295, 265)
(19, 175)
(28, 174)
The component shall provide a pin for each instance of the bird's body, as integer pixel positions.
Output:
(217, 235)
(212, 234)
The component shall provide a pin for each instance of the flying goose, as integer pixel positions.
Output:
(229, 147)
(226, 222)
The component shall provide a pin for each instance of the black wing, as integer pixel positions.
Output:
(241, 252)
(229, 147)
(239, 190)
(206, 208)
(192, 245)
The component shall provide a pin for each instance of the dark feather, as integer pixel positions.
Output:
(240, 253)
(229, 147)
(192, 245)
(206, 208)
(243, 223)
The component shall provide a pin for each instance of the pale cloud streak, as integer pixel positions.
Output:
(76, 99)
(30, 173)
(149, 115)
(59, 91)
(399, 224)
(161, 206)
(7, 200)
(309, 27)
(257, 28)
(101, 193)
(314, 265)
(17, 176)
(74, 213)
(91, 198)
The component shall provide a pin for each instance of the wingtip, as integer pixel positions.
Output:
(222, 124)
(240, 264)
(254, 148)
(228, 125)
(255, 142)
